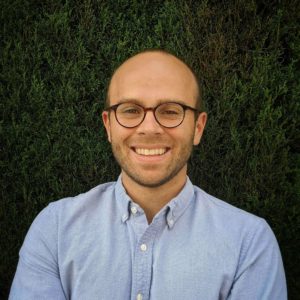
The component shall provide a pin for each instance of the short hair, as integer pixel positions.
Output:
(199, 100)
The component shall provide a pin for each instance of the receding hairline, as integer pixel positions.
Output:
(199, 101)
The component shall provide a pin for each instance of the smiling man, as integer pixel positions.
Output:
(151, 234)
(153, 146)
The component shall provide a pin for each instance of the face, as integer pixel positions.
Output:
(151, 155)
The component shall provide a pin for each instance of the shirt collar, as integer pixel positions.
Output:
(171, 211)
(123, 200)
(177, 206)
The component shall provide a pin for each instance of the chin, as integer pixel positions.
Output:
(151, 181)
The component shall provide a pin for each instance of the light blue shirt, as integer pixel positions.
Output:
(99, 245)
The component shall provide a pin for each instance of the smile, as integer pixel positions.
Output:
(149, 152)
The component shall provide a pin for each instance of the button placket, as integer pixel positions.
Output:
(142, 267)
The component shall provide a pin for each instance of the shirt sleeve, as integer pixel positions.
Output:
(260, 274)
(37, 275)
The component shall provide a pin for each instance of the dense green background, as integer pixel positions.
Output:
(56, 59)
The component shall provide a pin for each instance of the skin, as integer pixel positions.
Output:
(149, 79)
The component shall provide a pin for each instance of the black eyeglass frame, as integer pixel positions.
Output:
(153, 109)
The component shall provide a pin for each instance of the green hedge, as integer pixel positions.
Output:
(56, 60)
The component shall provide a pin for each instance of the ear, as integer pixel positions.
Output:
(106, 122)
(199, 128)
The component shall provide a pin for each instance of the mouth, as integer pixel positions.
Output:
(150, 152)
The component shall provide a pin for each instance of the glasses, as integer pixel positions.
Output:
(168, 114)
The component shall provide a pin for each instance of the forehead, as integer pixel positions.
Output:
(151, 78)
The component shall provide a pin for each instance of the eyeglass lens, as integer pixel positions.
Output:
(166, 114)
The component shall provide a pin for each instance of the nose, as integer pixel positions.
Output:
(149, 124)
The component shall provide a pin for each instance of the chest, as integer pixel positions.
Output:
(127, 261)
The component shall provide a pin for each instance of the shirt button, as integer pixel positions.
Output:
(143, 248)
(139, 297)
(171, 222)
(134, 210)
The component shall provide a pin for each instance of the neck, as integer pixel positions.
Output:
(153, 199)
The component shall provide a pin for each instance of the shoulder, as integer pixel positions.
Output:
(74, 209)
(90, 196)
(69, 214)
(230, 222)
(84, 203)
(244, 233)
(222, 210)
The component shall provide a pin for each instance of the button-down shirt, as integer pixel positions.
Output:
(99, 245)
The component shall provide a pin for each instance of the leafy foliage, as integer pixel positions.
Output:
(56, 60)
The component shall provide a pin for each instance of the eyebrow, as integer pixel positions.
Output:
(160, 101)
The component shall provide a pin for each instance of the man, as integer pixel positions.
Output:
(151, 234)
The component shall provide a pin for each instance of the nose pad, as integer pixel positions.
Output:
(149, 123)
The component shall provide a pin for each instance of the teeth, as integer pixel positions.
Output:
(146, 152)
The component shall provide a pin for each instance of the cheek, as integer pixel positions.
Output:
(184, 137)
(119, 134)
(189, 133)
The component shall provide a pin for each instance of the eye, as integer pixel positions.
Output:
(129, 110)
(170, 110)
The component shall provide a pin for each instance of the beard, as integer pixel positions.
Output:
(178, 162)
